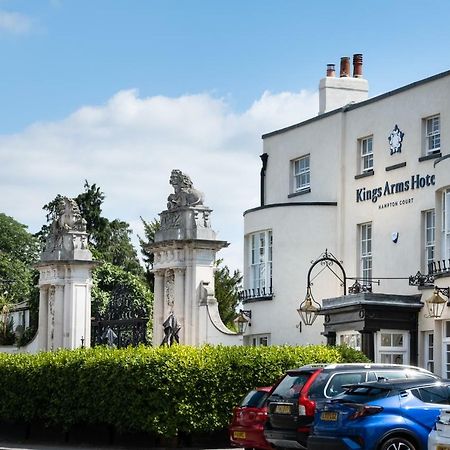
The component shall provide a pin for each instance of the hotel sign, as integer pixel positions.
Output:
(414, 183)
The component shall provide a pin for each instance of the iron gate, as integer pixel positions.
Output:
(122, 324)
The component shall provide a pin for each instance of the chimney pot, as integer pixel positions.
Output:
(345, 66)
(357, 65)
(331, 71)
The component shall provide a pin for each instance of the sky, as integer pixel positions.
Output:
(120, 92)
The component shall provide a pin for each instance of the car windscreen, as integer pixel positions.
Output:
(289, 387)
(254, 399)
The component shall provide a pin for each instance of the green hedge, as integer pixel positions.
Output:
(163, 390)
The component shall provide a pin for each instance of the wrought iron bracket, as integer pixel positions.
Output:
(444, 291)
(419, 279)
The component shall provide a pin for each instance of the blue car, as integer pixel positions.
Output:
(380, 415)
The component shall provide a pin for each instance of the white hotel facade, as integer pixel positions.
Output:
(366, 182)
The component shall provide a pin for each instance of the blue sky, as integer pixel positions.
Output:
(120, 92)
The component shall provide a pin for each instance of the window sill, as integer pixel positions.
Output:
(369, 173)
(302, 192)
(430, 156)
(396, 166)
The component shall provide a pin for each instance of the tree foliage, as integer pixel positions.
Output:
(227, 289)
(19, 250)
(150, 229)
(111, 281)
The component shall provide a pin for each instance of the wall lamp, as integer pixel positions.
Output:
(243, 320)
(436, 303)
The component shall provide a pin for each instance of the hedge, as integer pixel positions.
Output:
(164, 390)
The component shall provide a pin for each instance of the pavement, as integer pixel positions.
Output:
(27, 446)
(21, 446)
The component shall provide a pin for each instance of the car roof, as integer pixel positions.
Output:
(353, 366)
(398, 384)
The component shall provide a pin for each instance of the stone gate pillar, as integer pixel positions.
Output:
(184, 251)
(65, 281)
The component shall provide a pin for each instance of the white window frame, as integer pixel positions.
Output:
(429, 223)
(260, 261)
(432, 134)
(350, 338)
(260, 340)
(428, 350)
(445, 349)
(366, 153)
(301, 174)
(365, 241)
(445, 230)
(389, 353)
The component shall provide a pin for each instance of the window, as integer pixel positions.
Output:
(432, 135)
(429, 237)
(429, 351)
(445, 241)
(446, 350)
(301, 174)
(432, 394)
(260, 341)
(392, 347)
(351, 339)
(261, 263)
(366, 151)
(366, 253)
(338, 380)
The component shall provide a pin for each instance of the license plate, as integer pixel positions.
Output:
(443, 447)
(283, 409)
(330, 416)
(239, 434)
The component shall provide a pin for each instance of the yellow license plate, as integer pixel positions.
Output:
(239, 434)
(329, 415)
(443, 447)
(283, 409)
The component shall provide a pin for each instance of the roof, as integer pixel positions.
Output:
(352, 106)
(398, 384)
(350, 366)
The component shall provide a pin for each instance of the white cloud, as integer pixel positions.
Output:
(15, 23)
(129, 147)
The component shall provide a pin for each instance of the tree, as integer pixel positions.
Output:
(19, 250)
(110, 280)
(17, 242)
(227, 291)
(150, 229)
(118, 294)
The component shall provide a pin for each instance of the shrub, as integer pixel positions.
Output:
(164, 390)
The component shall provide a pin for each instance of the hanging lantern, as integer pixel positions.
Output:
(436, 303)
(309, 309)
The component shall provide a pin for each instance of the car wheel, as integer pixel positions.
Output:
(398, 443)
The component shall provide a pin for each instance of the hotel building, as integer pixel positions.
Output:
(354, 203)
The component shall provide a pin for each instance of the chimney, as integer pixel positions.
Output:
(337, 92)
(331, 71)
(357, 65)
(345, 67)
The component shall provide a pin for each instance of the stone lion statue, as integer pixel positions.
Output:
(185, 194)
(68, 216)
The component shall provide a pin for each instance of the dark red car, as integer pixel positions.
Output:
(247, 426)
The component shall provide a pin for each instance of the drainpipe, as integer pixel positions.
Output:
(264, 157)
